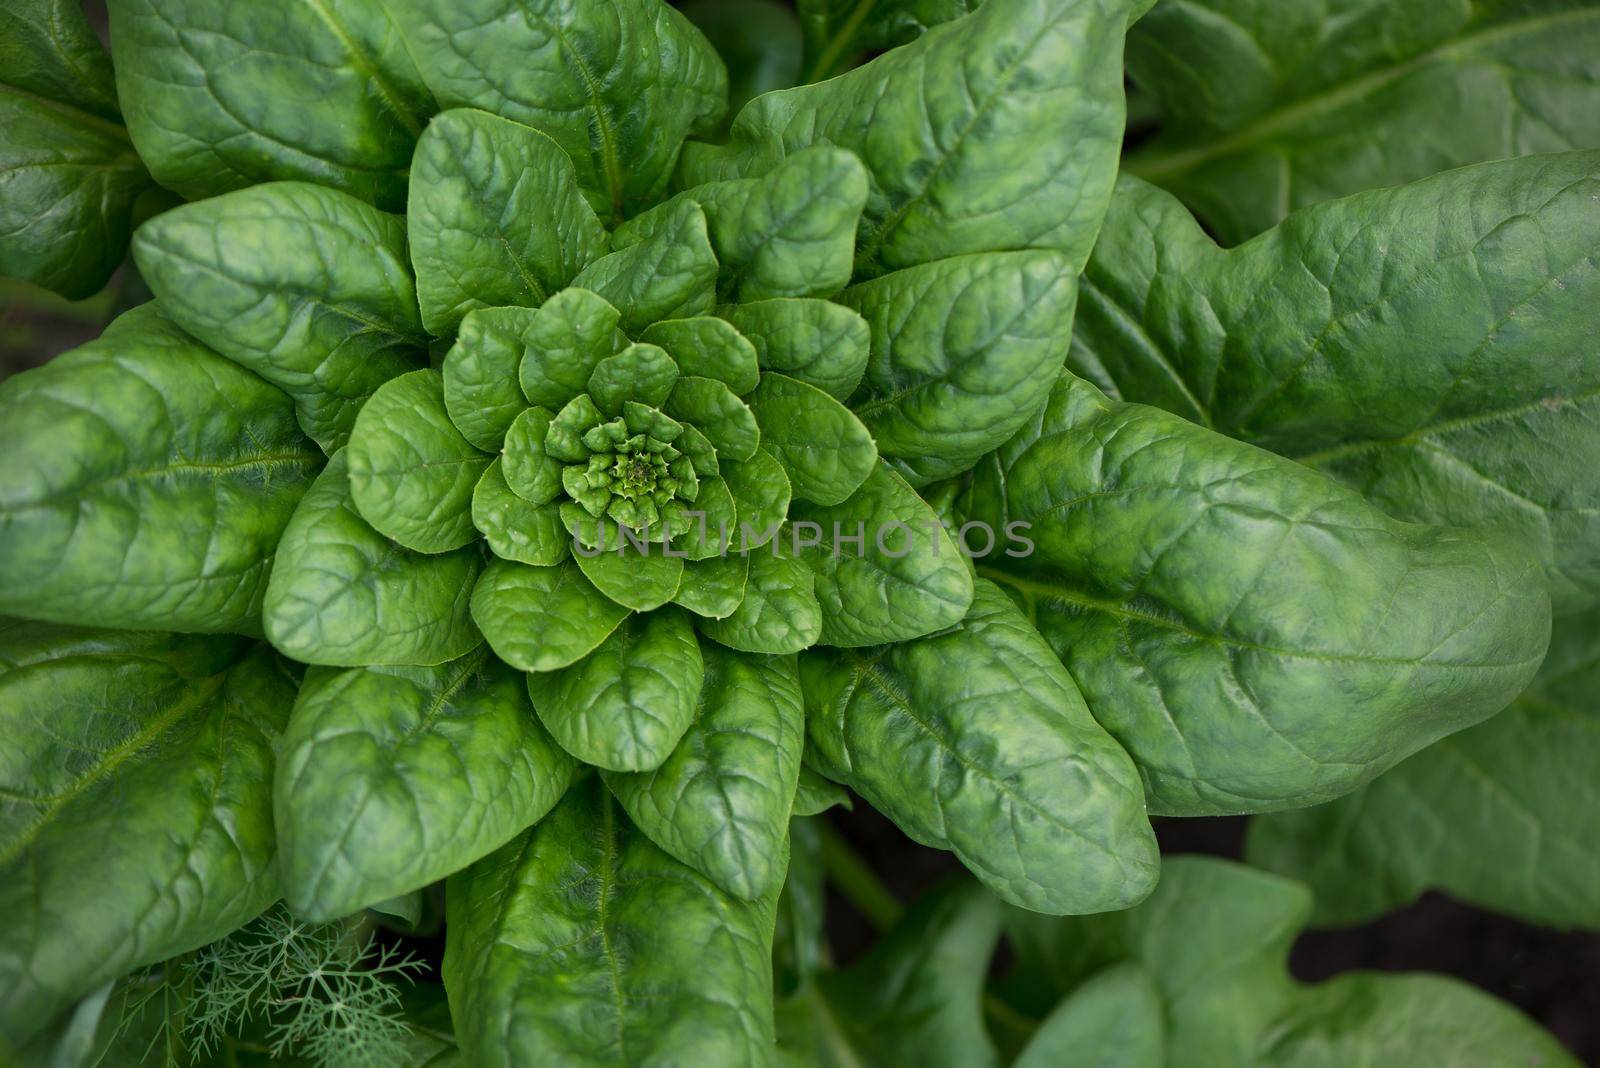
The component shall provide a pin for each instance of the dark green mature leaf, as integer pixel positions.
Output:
(976, 741)
(514, 528)
(219, 95)
(412, 474)
(706, 347)
(618, 86)
(815, 795)
(902, 578)
(583, 943)
(1422, 344)
(836, 31)
(542, 618)
(146, 483)
(825, 450)
(308, 287)
(816, 341)
(495, 216)
(572, 332)
(963, 354)
(1114, 1018)
(137, 814)
(798, 942)
(1215, 936)
(1519, 789)
(481, 370)
(48, 48)
(345, 595)
(390, 778)
(779, 613)
(625, 705)
(663, 267)
(912, 1001)
(970, 171)
(718, 413)
(1256, 635)
(1268, 109)
(720, 803)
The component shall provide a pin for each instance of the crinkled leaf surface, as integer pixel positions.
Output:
(779, 613)
(308, 287)
(707, 347)
(146, 483)
(495, 216)
(572, 332)
(761, 496)
(977, 741)
(1256, 635)
(481, 390)
(641, 373)
(640, 581)
(721, 802)
(345, 595)
(713, 587)
(514, 528)
(825, 450)
(666, 270)
(531, 472)
(1270, 108)
(220, 95)
(542, 618)
(718, 413)
(137, 819)
(1503, 815)
(392, 777)
(625, 706)
(970, 172)
(49, 49)
(816, 341)
(618, 86)
(582, 942)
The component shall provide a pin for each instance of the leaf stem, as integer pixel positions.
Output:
(857, 881)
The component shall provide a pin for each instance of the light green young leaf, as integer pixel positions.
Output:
(572, 332)
(306, 286)
(1519, 788)
(642, 373)
(816, 341)
(391, 778)
(963, 740)
(542, 618)
(219, 96)
(665, 271)
(964, 351)
(138, 763)
(495, 216)
(970, 172)
(636, 580)
(760, 491)
(411, 472)
(146, 482)
(345, 595)
(714, 587)
(558, 951)
(1269, 109)
(720, 803)
(837, 31)
(481, 369)
(1256, 635)
(779, 612)
(825, 450)
(706, 347)
(904, 578)
(1491, 422)
(625, 705)
(718, 413)
(515, 529)
(529, 471)
(714, 526)
(618, 86)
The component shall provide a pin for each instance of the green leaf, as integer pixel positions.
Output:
(391, 778)
(411, 472)
(542, 618)
(618, 87)
(146, 483)
(961, 739)
(496, 217)
(720, 802)
(760, 491)
(798, 940)
(1256, 635)
(705, 347)
(1518, 789)
(816, 341)
(481, 370)
(642, 373)
(969, 170)
(836, 31)
(1215, 937)
(531, 472)
(515, 529)
(48, 48)
(963, 353)
(904, 577)
(718, 413)
(625, 705)
(219, 97)
(1492, 423)
(825, 450)
(1114, 1017)
(582, 943)
(308, 287)
(815, 795)
(137, 820)
(638, 580)
(713, 587)
(345, 595)
(572, 332)
(668, 272)
(913, 1000)
(1266, 110)
(779, 612)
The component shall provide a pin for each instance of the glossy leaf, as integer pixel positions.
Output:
(146, 484)
(761, 497)
(822, 446)
(48, 48)
(514, 528)
(542, 618)
(816, 341)
(641, 373)
(640, 581)
(345, 595)
(815, 794)
(779, 613)
(706, 347)
(572, 332)
(529, 471)
(718, 413)
(390, 778)
(713, 587)
(665, 271)
(481, 390)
